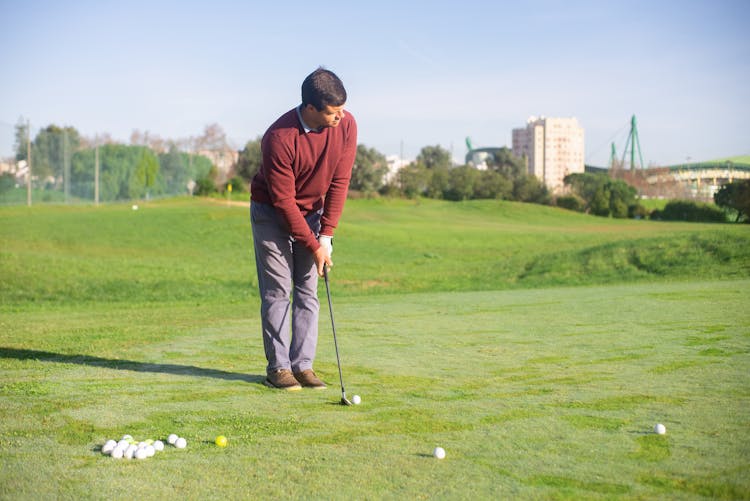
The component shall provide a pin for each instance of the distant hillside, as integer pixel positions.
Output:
(742, 159)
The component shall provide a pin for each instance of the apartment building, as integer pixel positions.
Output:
(553, 148)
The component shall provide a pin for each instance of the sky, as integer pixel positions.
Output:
(417, 73)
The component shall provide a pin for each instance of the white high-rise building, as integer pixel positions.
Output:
(553, 148)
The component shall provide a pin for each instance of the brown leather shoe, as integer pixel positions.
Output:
(282, 379)
(308, 379)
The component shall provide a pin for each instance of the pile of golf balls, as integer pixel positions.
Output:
(127, 447)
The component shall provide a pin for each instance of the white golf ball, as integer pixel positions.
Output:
(150, 451)
(140, 454)
(130, 451)
(122, 444)
(127, 437)
(660, 429)
(117, 453)
(439, 452)
(108, 447)
(171, 439)
(158, 446)
(356, 400)
(180, 443)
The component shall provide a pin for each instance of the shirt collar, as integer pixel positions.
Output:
(304, 125)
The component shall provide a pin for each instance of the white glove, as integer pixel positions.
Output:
(327, 243)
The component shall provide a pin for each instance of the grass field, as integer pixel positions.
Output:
(537, 346)
(745, 159)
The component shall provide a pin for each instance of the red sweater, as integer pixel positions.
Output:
(302, 172)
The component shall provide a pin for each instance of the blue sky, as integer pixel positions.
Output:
(418, 73)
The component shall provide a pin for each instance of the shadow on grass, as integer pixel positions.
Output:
(128, 365)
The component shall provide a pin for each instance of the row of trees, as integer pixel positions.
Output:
(151, 166)
(64, 160)
(431, 175)
(600, 195)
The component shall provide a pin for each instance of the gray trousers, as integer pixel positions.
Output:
(288, 283)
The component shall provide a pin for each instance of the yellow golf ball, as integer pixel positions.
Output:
(221, 441)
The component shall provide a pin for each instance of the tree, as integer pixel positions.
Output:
(439, 181)
(125, 172)
(22, 138)
(7, 182)
(491, 184)
(199, 166)
(144, 179)
(152, 141)
(214, 138)
(571, 202)
(504, 162)
(599, 203)
(206, 185)
(250, 159)
(369, 168)
(53, 146)
(174, 171)
(213, 144)
(414, 179)
(527, 188)
(603, 196)
(621, 196)
(735, 196)
(518, 184)
(461, 183)
(433, 157)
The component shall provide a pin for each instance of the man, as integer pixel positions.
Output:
(298, 196)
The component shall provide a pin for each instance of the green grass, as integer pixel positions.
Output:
(186, 251)
(741, 159)
(458, 326)
(654, 203)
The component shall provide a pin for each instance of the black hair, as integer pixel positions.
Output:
(323, 88)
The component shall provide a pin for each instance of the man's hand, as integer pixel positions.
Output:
(322, 258)
(327, 242)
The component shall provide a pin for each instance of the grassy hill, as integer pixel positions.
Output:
(190, 250)
(741, 159)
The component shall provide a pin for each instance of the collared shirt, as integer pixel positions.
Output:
(304, 125)
(302, 173)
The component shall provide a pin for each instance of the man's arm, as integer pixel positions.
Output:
(336, 195)
(277, 169)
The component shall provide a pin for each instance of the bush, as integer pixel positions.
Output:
(637, 211)
(571, 202)
(239, 185)
(686, 210)
(734, 198)
(7, 182)
(204, 186)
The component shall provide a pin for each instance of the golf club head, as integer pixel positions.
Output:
(345, 401)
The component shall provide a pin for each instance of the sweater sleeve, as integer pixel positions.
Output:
(336, 194)
(278, 157)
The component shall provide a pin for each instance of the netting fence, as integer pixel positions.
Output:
(57, 165)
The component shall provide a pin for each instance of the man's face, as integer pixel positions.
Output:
(329, 116)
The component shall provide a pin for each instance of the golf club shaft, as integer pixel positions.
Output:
(333, 327)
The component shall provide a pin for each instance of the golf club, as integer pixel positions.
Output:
(344, 400)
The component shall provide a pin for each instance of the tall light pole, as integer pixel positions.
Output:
(28, 162)
(96, 170)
